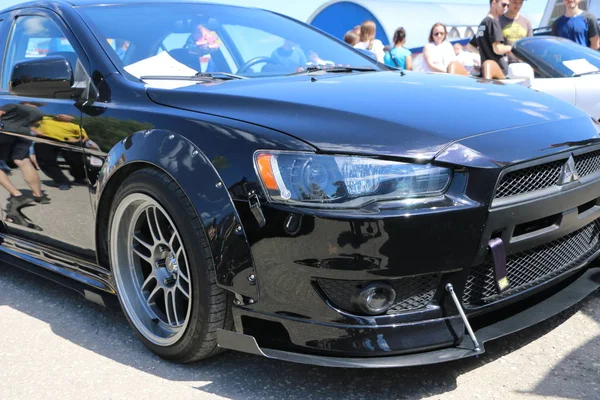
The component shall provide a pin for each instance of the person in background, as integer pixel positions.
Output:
(439, 55)
(201, 43)
(61, 128)
(514, 26)
(490, 42)
(368, 31)
(471, 61)
(289, 56)
(577, 25)
(122, 47)
(16, 199)
(399, 56)
(23, 119)
(351, 38)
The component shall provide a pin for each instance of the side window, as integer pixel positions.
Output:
(34, 37)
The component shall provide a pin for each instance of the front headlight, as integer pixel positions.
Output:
(344, 181)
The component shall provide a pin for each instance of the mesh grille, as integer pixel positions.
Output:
(588, 163)
(529, 179)
(545, 175)
(411, 293)
(534, 266)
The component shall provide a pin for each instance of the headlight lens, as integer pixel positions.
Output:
(345, 181)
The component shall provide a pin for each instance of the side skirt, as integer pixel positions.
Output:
(88, 279)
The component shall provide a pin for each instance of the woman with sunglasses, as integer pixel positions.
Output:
(439, 54)
(491, 43)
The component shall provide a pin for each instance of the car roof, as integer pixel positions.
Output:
(78, 3)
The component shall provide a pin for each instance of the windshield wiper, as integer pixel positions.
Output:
(200, 76)
(333, 70)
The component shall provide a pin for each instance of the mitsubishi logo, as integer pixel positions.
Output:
(569, 172)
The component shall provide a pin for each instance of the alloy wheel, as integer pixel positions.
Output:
(151, 269)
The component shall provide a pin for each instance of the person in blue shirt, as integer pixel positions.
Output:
(578, 25)
(288, 57)
(399, 57)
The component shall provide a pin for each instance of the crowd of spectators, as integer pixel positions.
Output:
(489, 52)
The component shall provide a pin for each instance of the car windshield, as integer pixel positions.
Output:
(565, 57)
(183, 39)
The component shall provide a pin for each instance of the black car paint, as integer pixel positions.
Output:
(365, 126)
(206, 135)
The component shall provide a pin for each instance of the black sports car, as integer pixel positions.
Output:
(241, 180)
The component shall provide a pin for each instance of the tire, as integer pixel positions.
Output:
(163, 269)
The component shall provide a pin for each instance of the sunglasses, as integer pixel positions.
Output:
(439, 34)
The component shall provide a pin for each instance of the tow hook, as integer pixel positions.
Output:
(256, 209)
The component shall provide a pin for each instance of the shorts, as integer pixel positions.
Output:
(13, 148)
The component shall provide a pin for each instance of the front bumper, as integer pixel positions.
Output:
(575, 291)
(306, 277)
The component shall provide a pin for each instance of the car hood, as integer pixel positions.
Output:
(389, 114)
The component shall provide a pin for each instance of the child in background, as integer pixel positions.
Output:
(398, 56)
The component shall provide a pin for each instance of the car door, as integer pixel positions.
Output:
(563, 88)
(588, 87)
(41, 148)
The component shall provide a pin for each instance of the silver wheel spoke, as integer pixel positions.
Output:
(168, 308)
(183, 273)
(140, 241)
(153, 295)
(156, 291)
(148, 280)
(142, 256)
(153, 224)
(182, 290)
(176, 322)
(172, 240)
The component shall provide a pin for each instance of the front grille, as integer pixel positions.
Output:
(543, 176)
(533, 267)
(529, 179)
(412, 293)
(588, 163)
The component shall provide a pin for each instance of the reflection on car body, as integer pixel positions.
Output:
(239, 180)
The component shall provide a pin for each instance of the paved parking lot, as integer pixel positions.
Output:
(55, 343)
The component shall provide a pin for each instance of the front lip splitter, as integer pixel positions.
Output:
(578, 290)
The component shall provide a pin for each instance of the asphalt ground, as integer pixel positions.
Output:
(56, 344)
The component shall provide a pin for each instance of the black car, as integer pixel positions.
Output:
(241, 180)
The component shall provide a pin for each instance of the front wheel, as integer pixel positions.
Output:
(163, 269)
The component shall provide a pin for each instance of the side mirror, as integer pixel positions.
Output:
(521, 71)
(48, 77)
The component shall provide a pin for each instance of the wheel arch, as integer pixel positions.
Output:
(184, 162)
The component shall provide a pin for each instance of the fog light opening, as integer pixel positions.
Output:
(375, 298)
